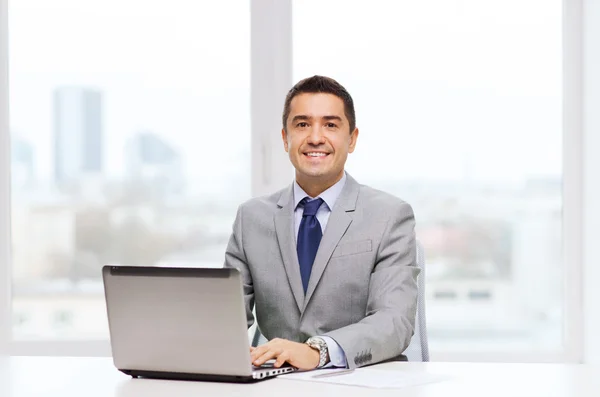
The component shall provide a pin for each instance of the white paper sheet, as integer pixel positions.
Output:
(366, 377)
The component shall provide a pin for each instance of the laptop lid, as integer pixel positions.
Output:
(177, 320)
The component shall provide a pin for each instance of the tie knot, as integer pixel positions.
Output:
(311, 206)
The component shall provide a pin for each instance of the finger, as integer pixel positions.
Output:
(258, 351)
(266, 357)
(282, 358)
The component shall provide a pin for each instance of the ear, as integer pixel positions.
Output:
(284, 138)
(353, 138)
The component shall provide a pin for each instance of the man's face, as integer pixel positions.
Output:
(318, 137)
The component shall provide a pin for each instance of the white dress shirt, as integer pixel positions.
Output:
(337, 357)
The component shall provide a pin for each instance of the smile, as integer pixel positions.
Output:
(316, 154)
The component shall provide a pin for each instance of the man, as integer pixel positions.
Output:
(329, 263)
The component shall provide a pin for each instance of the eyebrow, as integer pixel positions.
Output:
(337, 118)
(305, 117)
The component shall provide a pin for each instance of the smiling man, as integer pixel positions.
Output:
(328, 262)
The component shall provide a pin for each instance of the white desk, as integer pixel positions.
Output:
(66, 377)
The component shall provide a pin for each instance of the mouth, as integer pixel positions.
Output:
(315, 155)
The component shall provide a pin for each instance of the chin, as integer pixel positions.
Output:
(317, 174)
(314, 173)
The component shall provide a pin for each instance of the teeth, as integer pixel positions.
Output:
(316, 154)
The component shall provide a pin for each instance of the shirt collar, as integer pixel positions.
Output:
(329, 196)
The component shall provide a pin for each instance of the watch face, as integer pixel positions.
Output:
(315, 345)
(319, 344)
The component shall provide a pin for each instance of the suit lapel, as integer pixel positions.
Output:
(284, 227)
(339, 221)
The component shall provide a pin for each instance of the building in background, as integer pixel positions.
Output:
(154, 166)
(78, 135)
(43, 242)
(22, 162)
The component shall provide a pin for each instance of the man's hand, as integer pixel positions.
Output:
(299, 355)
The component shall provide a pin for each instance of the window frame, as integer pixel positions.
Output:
(271, 76)
(586, 77)
(5, 276)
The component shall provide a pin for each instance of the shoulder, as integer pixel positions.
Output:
(262, 205)
(381, 201)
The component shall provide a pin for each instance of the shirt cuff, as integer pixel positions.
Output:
(337, 357)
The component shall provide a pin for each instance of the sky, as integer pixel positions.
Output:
(449, 90)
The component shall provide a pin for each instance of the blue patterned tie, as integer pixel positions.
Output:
(309, 237)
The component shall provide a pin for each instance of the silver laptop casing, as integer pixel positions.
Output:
(179, 323)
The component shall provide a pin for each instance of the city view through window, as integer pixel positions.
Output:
(129, 145)
(132, 145)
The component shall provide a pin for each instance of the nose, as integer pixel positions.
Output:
(316, 136)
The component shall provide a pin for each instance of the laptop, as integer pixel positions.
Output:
(180, 323)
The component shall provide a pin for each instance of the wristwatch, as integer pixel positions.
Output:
(319, 344)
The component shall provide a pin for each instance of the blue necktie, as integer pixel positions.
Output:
(309, 237)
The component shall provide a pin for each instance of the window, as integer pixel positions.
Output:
(130, 134)
(459, 110)
(130, 131)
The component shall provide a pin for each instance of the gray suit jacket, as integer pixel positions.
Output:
(363, 286)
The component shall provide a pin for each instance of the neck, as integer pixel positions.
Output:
(317, 185)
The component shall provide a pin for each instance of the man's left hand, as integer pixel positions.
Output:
(299, 355)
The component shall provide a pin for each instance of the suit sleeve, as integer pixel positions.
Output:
(388, 326)
(235, 257)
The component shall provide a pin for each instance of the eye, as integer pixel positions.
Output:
(302, 124)
(330, 125)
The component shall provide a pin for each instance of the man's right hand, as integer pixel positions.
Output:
(299, 355)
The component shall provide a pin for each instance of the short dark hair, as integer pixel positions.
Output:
(320, 84)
